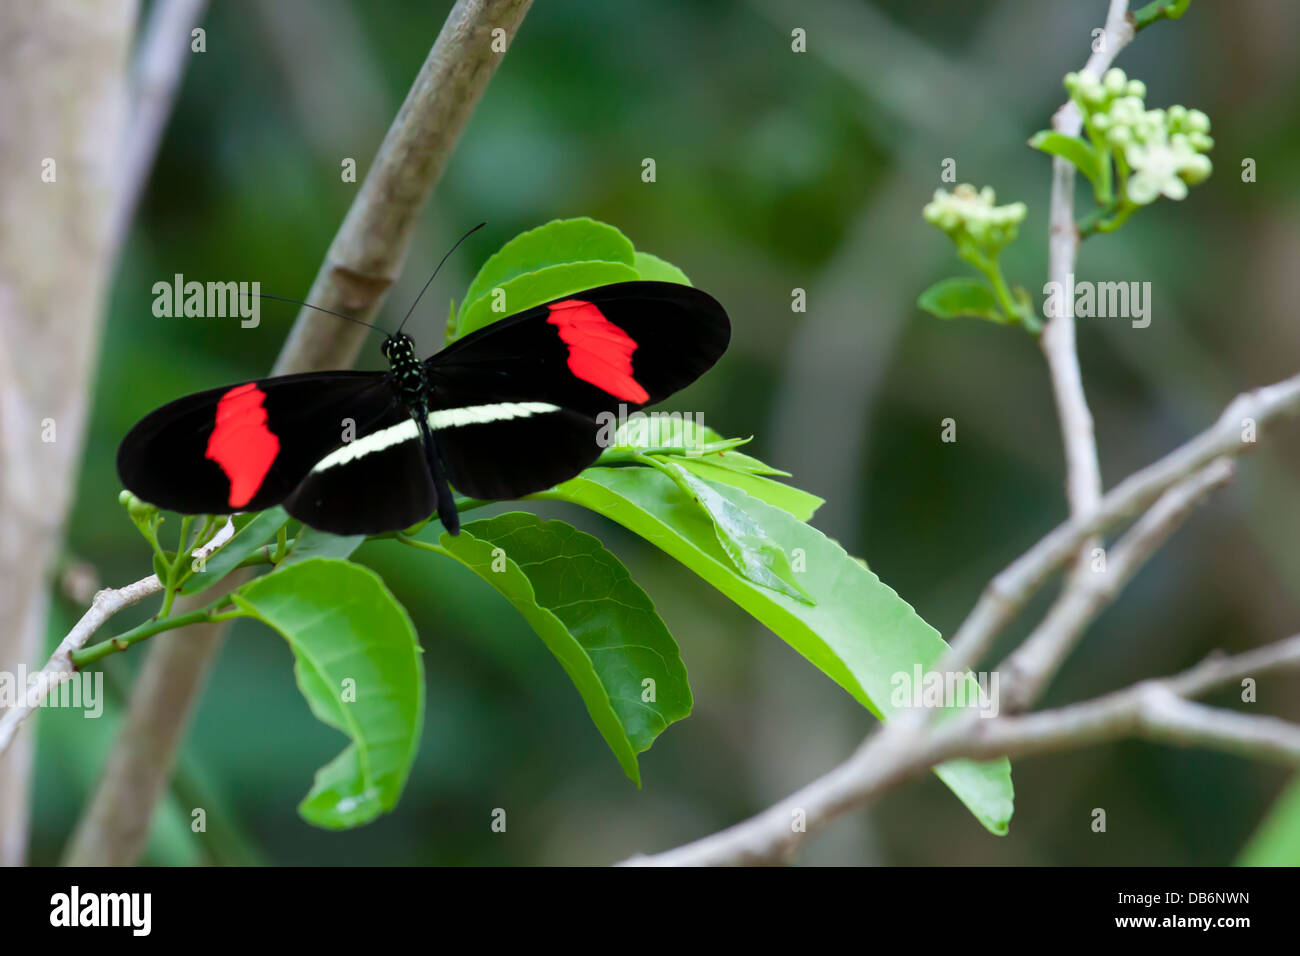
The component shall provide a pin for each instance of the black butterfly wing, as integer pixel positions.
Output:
(247, 447)
(512, 409)
(632, 343)
(377, 482)
(540, 378)
(512, 449)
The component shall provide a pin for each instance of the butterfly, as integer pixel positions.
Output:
(502, 412)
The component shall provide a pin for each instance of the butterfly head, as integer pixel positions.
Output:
(399, 348)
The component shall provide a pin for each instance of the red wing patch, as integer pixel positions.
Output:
(241, 443)
(599, 351)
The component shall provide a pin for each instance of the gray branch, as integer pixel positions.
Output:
(365, 256)
(62, 118)
(1082, 468)
(160, 65)
(889, 759)
(1007, 593)
(370, 247)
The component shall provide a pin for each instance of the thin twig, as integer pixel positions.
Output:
(1131, 711)
(1027, 672)
(1165, 717)
(59, 667)
(1007, 593)
(888, 759)
(902, 749)
(910, 743)
(1082, 468)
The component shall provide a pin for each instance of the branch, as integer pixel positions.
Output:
(62, 117)
(1117, 34)
(59, 667)
(365, 255)
(160, 65)
(1144, 709)
(888, 759)
(1028, 671)
(1083, 470)
(1007, 593)
(1167, 718)
(910, 743)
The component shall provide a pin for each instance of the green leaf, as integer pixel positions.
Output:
(740, 462)
(601, 627)
(251, 532)
(689, 438)
(658, 270)
(702, 451)
(1277, 841)
(751, 551)
(645, 430)
(950, 298)
(581, 239)
(557, 242)
(1070, 148)
(310, 543)
(860, 633)
(802, 504)
(350, 638)
(533, 288)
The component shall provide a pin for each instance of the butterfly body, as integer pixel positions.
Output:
(407, 371)
(505, 411)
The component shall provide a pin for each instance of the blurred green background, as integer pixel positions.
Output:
(775, 170)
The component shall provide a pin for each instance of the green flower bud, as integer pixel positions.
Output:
(137, 509)
(968, 214)
(1197, 169)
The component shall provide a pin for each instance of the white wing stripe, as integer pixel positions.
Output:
(446, 418)
(482, 414)
(375, 441)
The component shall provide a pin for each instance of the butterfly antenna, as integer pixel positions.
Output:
(308, 305)
(435, 272)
